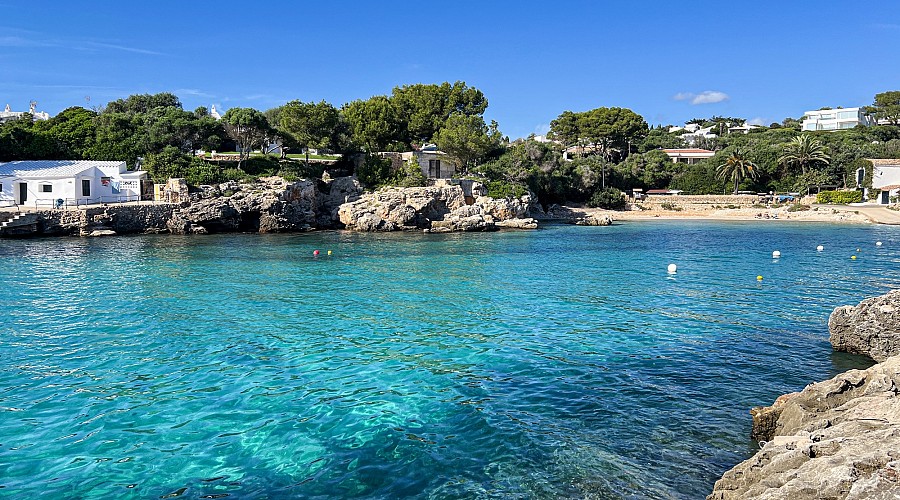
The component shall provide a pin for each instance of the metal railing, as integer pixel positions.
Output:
(60, 203)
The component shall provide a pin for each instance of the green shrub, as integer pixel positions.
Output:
(670, 206)
(503, 189)
(839, 197)
(798, 208)
(609, 198)
(410, 175)
(374, 171)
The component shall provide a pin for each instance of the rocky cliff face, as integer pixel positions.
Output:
(436, 209)
(835, 439)
(270, 206)
(871, 328)
(274, 205)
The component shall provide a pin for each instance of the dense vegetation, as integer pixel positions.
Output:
(592, 154)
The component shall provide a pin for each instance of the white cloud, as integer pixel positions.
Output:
(709, 97)
(705, 97)
(756, 121)
(192, 92)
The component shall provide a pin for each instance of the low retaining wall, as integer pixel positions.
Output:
(705, 202)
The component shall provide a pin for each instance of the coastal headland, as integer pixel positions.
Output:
(834, 439)
(275, 205)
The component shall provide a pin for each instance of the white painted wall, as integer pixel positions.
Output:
(885, 176)
(120, 186)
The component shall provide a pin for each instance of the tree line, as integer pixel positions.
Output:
(589, 153)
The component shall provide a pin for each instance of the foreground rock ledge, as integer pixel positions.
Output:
(835, 439)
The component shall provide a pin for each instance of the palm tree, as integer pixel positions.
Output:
(804, 151)
(736, 167)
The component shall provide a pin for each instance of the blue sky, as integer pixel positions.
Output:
(669, 61)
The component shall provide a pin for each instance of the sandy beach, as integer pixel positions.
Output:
(817, 213)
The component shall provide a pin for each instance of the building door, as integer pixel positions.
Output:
(23, 193)
(434, 169)
(85, 187)
(885, 197)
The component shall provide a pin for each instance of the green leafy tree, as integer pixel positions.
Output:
(737, 167)
(247, 127)
(424, 109)
(373, 124)
(887, 107)
(312, 125)
(74, 130)
(609, 132)
(143, 103)
(804, 152)
(466, 139)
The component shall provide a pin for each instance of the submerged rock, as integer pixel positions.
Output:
(871, 328)
(594, 220)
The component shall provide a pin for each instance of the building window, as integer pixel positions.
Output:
(46, 188)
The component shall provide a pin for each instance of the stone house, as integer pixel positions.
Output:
(435, 164)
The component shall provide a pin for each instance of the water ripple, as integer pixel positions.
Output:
(558, 363)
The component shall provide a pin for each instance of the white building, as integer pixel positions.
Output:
(53, 183)
(694, 133)
(8, 115)
(689, 156)
(886, 179)
(835, 119)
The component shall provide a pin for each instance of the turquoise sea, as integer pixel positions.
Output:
(563, 362)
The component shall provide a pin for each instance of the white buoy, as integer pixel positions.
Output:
(877, 243)
(673, 269)
(776, 254)
(820, 248)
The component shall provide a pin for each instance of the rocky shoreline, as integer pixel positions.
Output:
(274, 205)
(834, 439)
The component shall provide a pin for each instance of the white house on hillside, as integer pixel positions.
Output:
(835, 119)
(886, 179)
(51, 183)
(9, 115)
(694, 133)
(689, 156)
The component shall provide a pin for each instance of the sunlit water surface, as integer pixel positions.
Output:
(564, 362)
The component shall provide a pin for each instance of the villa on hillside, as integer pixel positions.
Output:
(8, 115)
(886, 179)
(835, 119)
(435, 164)
(55, 183)
(689, 156)
(694, 133)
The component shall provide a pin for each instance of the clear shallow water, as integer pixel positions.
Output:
(564, 362)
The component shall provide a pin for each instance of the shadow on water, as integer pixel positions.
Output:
(843, 361)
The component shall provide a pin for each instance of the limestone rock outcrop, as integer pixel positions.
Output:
(272, 205)
(594, 220)
(835, 439)
(871, 328)
(436, 209)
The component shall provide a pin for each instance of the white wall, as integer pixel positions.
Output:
(885, 176)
